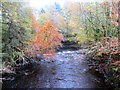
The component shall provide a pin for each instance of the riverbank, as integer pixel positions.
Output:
(45, 67)
(9, 72)
(68, 70)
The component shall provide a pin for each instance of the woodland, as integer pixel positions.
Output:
(28, 35)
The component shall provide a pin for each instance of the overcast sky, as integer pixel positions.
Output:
(42, 3)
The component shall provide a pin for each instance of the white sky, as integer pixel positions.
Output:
(42, 3)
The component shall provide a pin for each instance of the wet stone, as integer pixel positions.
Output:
(68, 70)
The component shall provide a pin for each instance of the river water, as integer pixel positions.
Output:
(69, 69)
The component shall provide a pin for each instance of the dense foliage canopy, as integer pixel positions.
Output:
(27, 31)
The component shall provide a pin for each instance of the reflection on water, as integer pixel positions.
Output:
(68, 70)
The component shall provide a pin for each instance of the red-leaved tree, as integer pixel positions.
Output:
(47, 38)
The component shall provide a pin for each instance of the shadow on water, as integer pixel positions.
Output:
(68, 70)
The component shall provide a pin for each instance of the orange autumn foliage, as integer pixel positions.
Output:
(108, 46)
(47, 38)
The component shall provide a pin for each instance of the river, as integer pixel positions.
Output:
(69, 69)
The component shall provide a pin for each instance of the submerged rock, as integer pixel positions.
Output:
(68, 70)
(39, 56)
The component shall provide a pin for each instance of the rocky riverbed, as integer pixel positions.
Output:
(69, 69)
